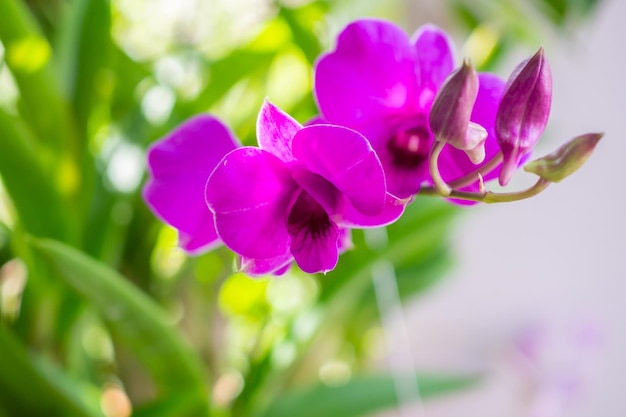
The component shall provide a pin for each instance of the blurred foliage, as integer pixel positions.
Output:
(100, 312)
(496, 27)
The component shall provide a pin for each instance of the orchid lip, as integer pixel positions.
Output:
(314, 236)
(306, 213)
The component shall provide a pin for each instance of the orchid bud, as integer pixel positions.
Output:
(523, 112)
(451, 111)
(565, 160)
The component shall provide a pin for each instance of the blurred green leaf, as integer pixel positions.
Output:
(124, 106)
(410, 244)
(179, 405)
(302, 22)
(465, 14)
(510, 23)
(359, 397)
(39, 207)
(29, 57)
(227, 72)
(83, 50)
(138, 322)
(31, 386)
(559, 11)
(83, 55)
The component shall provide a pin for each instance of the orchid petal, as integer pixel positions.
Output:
(435, 60)
(275, 131)
(392, 210)
(345, 158)
(179, 166)
(276, 266)
(203, 239)
(251, 192)
(369, 75)
(322, 191)
(344, 243)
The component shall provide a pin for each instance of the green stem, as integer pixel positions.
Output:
(440, 185)
(475, 175)
(491, 197)
(443, 189)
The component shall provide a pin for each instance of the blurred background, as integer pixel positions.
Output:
(554, 261)
(511, 310)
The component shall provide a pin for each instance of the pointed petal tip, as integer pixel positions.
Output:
(509, 166)
(275, 130)
(566, 159)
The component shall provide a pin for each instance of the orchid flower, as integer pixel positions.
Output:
(382, 84)
(179, 166)
(291, 197)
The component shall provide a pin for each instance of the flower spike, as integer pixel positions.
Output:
(523, 112)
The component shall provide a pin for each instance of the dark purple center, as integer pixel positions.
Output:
(410, 147)
(309, 217)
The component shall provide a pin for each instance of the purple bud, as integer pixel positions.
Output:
(565, 160)
(523, 112)
(451, 111)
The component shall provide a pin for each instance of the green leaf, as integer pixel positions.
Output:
(179, 405)
(83, 50)
(29, 57)
(139, 324)
(84, 55)
(31, 386)
(227, 72)
(412, 243)
(360, 396)
(302, 22)
(34, 196)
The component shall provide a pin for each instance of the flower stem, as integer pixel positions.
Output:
(473, 176)
(491, 197)
(441, 188)
(440, 185)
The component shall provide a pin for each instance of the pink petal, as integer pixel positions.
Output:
(275, 131)
(322, 191)
(435, 60)
(251, 193)
(276, 266)
(393, 209)
(205, 238)
(344, 243)
(345, 158)
(370, 74)
(179, 166)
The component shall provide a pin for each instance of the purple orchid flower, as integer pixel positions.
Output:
(290, 197)
(382, 84)
(179, 166)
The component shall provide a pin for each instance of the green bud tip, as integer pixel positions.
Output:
(565, 160)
